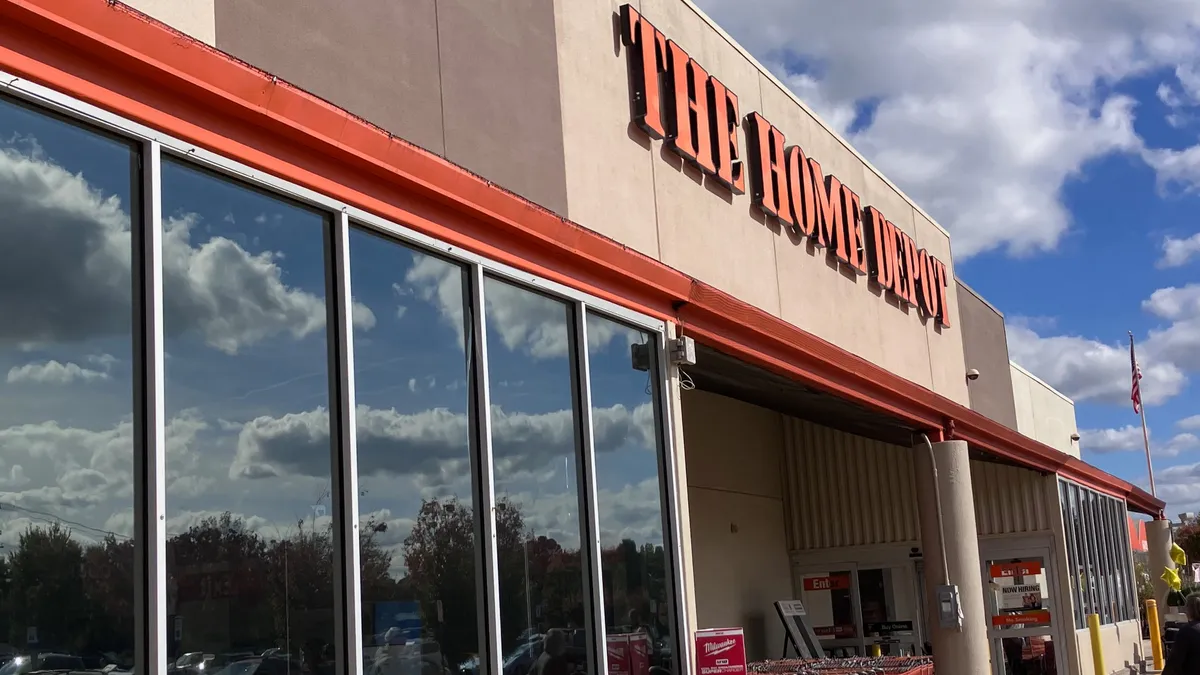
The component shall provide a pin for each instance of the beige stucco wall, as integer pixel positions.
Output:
(735, 495)
(196, 18)
(1043, 413)
(1122, 643)
(622, 185)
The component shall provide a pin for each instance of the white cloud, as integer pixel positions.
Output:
(1189, 423)
(53, 372)
(1090, 370)
(65, 268)
(1179, 252)
(985, 108)
(1179, 341)
(1104, 441)
(1129, 439)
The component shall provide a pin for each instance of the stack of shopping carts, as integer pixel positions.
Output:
(858, 665)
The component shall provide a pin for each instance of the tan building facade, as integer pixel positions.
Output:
(817, 409)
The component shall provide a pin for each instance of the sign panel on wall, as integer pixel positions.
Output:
(1037, 618)
(1016, 568)
(833, 582)
(1021, 596)
(697, 117)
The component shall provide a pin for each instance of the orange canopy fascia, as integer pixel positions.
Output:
(115, 58)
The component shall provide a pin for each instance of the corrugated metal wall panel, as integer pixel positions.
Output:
(1009, 499)
(846, 490)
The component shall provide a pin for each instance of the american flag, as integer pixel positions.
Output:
(1135, 394)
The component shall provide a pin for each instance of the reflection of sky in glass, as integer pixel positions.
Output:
(530, 376)
(411, 389)
(244, 315)
(65, 440)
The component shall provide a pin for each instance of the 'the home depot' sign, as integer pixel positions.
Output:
(675, 99)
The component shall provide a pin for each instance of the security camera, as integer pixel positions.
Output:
(1075, 437)
(972, 374)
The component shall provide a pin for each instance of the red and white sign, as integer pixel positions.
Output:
(629, 654)
(842, 631)
(720, 651)
(618, 655)
(639, 653)
(1038, 618)
(835, 582)
(1020, 568)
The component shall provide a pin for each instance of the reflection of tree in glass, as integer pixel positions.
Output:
(440, 557)
(69, 596)
(80, 596)
(279, 587)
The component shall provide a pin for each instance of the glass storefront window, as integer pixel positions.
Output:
(249, 509)
(250, 348)
(630, 489)
(417, 549)
(1098, 549)
(535, 445)
(68, 207)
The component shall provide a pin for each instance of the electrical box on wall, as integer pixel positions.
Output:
(949, 607)
(683, 351)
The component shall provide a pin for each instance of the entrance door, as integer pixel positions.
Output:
(889, 607)
(854, 611)
(831, 600)
(1024, 619)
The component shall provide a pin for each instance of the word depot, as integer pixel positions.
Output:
(675, 100)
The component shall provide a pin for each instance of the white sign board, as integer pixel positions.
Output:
(792, 608)
(1021, 596)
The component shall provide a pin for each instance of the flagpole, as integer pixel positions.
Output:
(1142, 411)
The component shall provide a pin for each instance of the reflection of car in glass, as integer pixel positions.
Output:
(21, 665)
(243, 667)
(521, 659)
(419, 657)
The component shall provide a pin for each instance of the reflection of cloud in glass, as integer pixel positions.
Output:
(429, 443)
(70, 279)
(70, 472)
(524, 321)
(53, 372)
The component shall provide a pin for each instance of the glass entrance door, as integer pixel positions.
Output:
(866, 610)
(831, 600)
(1023, 616)
(889, 608)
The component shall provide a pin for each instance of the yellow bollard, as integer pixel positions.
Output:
(1097, 650)
(1155, 633)
(875, 651)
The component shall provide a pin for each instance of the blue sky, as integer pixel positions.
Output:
(1059, 143)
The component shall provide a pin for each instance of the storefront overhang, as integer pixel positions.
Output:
(121, 61)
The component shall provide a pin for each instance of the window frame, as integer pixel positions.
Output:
(150, 601)
(1098, 539)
